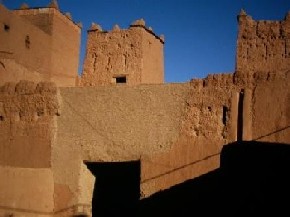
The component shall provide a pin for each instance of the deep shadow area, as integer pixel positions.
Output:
(117, 188)
(253, 179)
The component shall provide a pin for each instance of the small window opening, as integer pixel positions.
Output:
(1, 118)
(225, 113)
(27, 42)
(121, 80)
(6, 27)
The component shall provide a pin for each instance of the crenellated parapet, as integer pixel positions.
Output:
(132, 56)
(35, 15)
(263, 45)
(41, 39)
(238, 80)
(136, 24)
(142, 24)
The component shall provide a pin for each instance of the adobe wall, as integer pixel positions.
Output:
(271, 112)
(120, 124)
(30, 52)
(263, 45)
(26, 111)
(38, 45)
(177, 131)
(110, 54)
(123, 52)
(112, 124)
(107, 124)
(65, 42)
(39, 17)
(153, 58)
(11, 71)
(26, 191)
(209, 122)
(27, 127)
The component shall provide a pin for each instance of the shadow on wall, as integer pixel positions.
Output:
(254, 178)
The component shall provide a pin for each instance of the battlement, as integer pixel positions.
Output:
(32, 15)
(136, 24)
(263, 45)
(250, 29)
(174, 132)
(141, 24)
(43, 40)
(132, 56)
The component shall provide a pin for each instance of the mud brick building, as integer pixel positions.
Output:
(60, 132)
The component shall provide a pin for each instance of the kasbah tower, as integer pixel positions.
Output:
(63, 137)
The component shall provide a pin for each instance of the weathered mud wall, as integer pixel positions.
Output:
(177, 131)
(208, 124)
(271, 112)
(263, 45)
(111, 55)
(24, 43)
(43, 43)
(135, 53)
(27, 112)
(170, 125)
(64, 48)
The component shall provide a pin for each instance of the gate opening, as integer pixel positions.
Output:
(117, 188)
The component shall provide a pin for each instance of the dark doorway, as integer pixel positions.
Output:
(117, 188)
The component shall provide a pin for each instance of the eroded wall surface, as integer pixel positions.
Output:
(165, 126)
(208, 124)
(271, 112)
(177, 131)
(110, 124)
(263, 45)
(135, 53)
(26, 128)
(111, 55)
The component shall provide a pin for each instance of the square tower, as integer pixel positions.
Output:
(123, 56)
(263, 45)
(64, 38)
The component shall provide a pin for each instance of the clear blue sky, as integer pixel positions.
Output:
(200, 35)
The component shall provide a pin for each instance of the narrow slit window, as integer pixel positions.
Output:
(6, 27)
(27, 42)
(225, 114)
